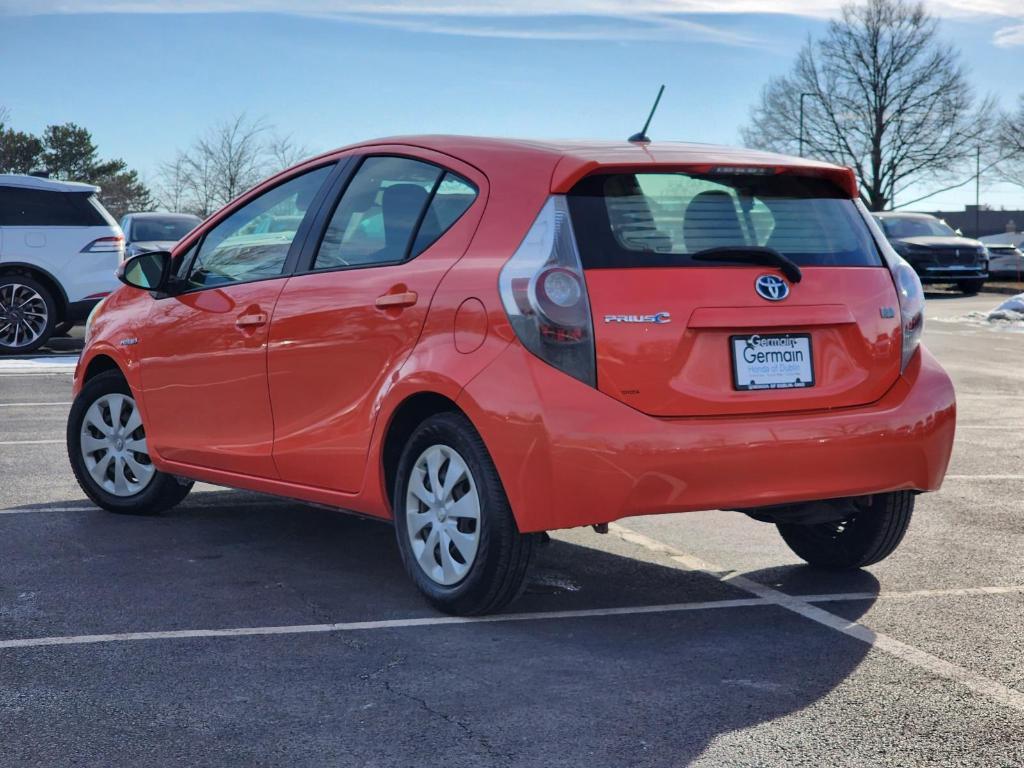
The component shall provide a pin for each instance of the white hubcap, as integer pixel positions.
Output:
(114, 446)
(442, 515)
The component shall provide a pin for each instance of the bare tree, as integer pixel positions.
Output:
(227, 160)
(284, 152)
(235, 156)
(881, 94)
(1010, 142)
(202, 184)
(173, 188)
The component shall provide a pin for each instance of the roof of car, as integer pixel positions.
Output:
(604, 152)
(901, 215)
(576, 158)
(49, 185)
(1014, 238)
(165, 215)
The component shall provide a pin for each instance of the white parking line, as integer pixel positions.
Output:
(32, 365)
(27, 405)
(915, 593)
(801, 606)
(583, 613)
(188, 505)
(31, 442)
(986, 395)
(984, 477)
(1013, 427)
(37, 373)
(26, 510)
(354, 626)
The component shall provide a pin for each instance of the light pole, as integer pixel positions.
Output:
(802, 97)
(977, 191)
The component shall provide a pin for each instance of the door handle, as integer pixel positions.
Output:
(246, 321)
(396, 300)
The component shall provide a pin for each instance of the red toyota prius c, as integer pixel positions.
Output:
(485, 339)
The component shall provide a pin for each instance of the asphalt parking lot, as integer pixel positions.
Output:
(246, 630)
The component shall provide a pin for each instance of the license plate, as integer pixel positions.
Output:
(772, 361)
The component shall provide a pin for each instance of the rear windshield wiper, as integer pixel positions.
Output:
(751, 254)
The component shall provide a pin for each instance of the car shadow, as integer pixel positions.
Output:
(638, 688)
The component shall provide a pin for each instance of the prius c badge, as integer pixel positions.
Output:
(658, 318)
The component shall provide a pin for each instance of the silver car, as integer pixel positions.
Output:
(155, 231)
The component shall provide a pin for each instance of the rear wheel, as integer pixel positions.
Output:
(864, 538)
(27, 314)
(454, 526)
(970, 287)
(109, 455)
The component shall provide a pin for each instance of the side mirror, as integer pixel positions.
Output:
(959, 232)
(148, 271)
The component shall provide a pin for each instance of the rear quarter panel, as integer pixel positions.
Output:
(517, 191)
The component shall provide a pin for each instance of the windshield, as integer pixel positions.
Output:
(915, 227)
(169, 229)
(663, 219)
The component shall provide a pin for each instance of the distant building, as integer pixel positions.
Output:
(976, 222)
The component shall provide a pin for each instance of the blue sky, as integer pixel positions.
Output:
(148, 76)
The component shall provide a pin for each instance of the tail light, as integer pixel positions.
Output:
(911, 297)
(909, 290)
(113, 244)
(545, 295)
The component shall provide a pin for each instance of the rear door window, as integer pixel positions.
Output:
(453, 197)
(663, 219)
(20, 207)
(393, 209)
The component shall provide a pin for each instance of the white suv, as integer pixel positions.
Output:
(59, 251)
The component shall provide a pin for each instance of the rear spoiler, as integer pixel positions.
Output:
(568, 174)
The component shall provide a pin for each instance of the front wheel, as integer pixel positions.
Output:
(864, 538)
(109, 455)
(456, 533)
(970, 287)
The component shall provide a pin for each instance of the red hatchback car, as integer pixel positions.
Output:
(484, 339)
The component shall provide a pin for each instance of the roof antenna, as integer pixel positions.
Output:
(642, 138)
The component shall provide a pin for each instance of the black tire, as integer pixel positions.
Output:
(163, 491)
(497, 574)
(51, 313)
(970, 287)
(865, 538)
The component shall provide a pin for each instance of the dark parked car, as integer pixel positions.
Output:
(155, 231)
(936, 251)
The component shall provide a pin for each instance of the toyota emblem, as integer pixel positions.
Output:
(771, 287)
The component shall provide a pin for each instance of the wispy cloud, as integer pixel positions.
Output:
(1010, 36)
(535, 19)
(647, 27)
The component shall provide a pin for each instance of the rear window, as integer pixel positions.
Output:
(663, 219)
(21, 207)
(152, 229)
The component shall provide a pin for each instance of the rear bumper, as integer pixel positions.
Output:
(569, 455)
(78, 311)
